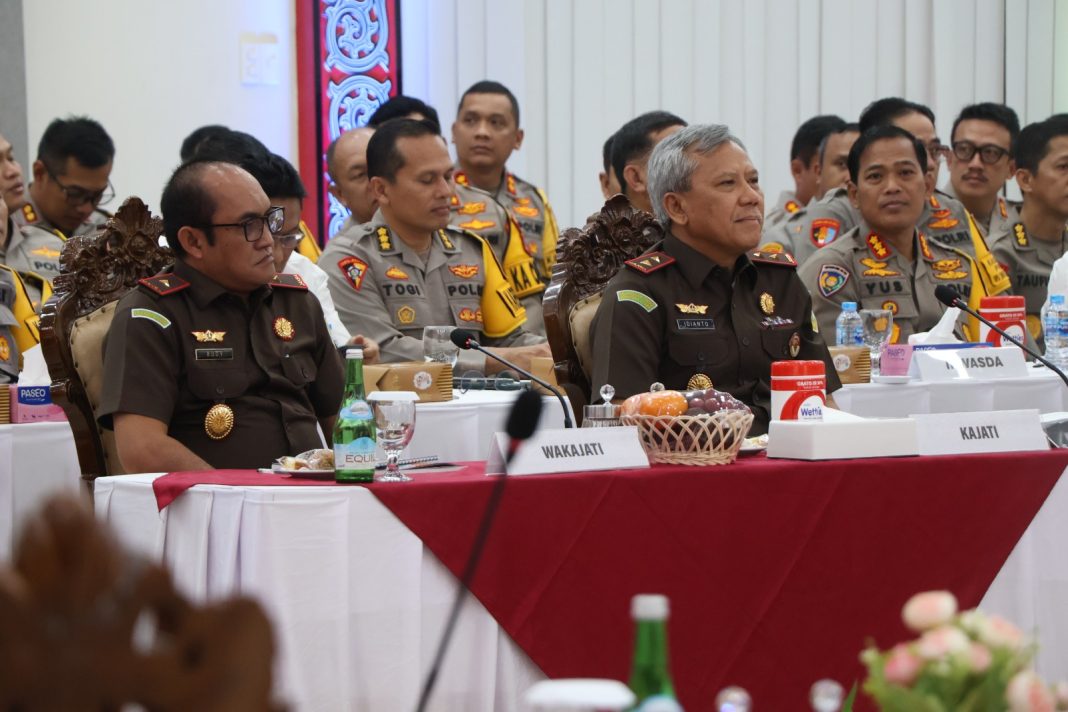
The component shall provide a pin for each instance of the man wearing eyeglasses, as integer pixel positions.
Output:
(70, 182)
(220, 362)
(1029, 247)
(980, 161)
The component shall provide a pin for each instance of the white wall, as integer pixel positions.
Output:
(153, 70)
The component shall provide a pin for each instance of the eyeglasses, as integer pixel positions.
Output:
(988, 153)
(936, 149)
(253, 227)
(290, 239)
(77, 197)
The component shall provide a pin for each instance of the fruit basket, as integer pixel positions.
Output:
(673, 431)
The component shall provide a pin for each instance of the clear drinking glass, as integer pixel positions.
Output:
(437, 346)
(878, 325)
(394, 413)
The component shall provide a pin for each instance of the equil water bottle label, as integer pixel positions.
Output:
(356, 455)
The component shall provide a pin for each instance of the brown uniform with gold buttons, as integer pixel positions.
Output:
(673, 313)
(861, 267)
(1028, 262)
(181, 345)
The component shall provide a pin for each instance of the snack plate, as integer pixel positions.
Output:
(757, 443)
(303, 474)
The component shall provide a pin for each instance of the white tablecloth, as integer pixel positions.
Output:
(37, 460)
(1041, 389)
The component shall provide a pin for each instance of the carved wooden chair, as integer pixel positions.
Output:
(586, 259)
(97, 269)
(85, 626)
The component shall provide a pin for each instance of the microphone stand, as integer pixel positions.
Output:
(472, 344)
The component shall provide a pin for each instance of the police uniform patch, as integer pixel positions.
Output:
(946, 265)
(45, 252)
(464, 271)
(395, 272)
(140, 313)
(471, 208)
(791, 206)
(468, 314)
(28, 213)
(1002, 209)
(283, 329)
(526, 211)
(832, 278)
(877, 269)
(406, 315)
(767, 303)
(950, 275)
(478, 224)
(635, 297)
(209, 336)
(891, 305)
(692, 308)
(647, 264)
(1020, 234)
(385, 243)
(5, 349)
(771, 248)
(354, 270)
(877, 247)
(795, 344)
(164, 284)
(925, 249)
(823, 231)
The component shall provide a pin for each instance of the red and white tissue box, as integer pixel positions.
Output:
(33, 404)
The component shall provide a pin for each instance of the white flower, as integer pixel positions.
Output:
(994, 631)
(942, 642)
(928, 610)
(1027, 693)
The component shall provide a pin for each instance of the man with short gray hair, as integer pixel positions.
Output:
(703, 307)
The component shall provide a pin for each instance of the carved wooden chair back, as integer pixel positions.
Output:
(586, 259)
(97, 269)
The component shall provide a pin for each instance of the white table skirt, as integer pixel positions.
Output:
(1041, 389)
(358, 603)
(37, 460)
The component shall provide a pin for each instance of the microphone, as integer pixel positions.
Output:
(464, 339)
(521, 424)
(951, 298)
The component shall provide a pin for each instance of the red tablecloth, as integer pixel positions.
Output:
(778, 571)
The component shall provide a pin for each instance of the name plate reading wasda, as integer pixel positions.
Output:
(569, 450)
(983, 431)
(954, 364)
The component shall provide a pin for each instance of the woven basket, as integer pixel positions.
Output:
(692, 439)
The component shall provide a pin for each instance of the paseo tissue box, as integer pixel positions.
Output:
(33, 404)
(431, 380)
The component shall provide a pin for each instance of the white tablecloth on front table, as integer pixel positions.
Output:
(37, 460)
(1041, 389)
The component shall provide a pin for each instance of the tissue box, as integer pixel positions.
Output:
(853, 363)
(33, 404)
(430, 380)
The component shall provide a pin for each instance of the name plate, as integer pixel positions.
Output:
(990, 431)
(954, 364)
(569, 450)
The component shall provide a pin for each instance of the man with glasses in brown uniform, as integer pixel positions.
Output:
(70, 183)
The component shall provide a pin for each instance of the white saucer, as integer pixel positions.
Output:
(890, 379)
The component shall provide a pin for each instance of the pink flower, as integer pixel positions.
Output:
(979, 657)
(929, 610)
(902, 666)
(1027, 693)
(1000, 633)
(941, 642)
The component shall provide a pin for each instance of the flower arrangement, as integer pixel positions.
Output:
(965, 662)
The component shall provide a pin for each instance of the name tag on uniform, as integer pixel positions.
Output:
(214, 354)
(696, 324)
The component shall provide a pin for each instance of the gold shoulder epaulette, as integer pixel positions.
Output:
(649, 263)
(164, 284)
(769, 257)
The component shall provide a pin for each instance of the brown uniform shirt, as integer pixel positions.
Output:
(269, 358)
(863, 268)
(685, 315)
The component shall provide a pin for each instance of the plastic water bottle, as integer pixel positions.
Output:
(1055, 328)
(849, 329)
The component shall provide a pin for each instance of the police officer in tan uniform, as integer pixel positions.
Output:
(1029, 247)
(70, 182)
(220, 362)
(886, 262)
(703, 307)
(804, 167)
(980, 161)
(513, 215)
(405, 269)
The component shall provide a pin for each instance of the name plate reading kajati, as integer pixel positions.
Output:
(569, 450)
(952, 364)
(989, 431)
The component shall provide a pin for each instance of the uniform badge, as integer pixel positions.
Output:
(635, 297)
(878, 247)
(692, 308)
(164, 284)
(467, 314)
(406, 315)
(478, 224)
(1002, 209)
(289, 281)
(791, 206)
(832, 278)
(464, 271)
(815, 323)
(771, 248)
(877, 269)
(385, 243)
(153, 316)
(5, 349)
(208, 337)
(795, 344)
(454, 201)
(890, 305)
(1020, 234)
(509, 183)
(946, 265)
(45, 252)
(767, 304)
(28, 213)
(283, 329)
(781, 258)
(925, 248)
(942, 223)
(699, 382)
(354, 270)
(396, 273)
(527, 211)
(531, 248)
(219, 421)
(445, 241)
(823, 231)
(647, 264)
(950, 275)
(471, 208)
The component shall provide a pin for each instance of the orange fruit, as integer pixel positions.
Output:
(663, 403)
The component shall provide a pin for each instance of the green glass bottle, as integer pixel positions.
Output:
(354, 431)
(649, 675)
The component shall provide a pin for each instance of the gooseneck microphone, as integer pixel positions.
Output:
(951, 298)
(521, 424)
(466, 340)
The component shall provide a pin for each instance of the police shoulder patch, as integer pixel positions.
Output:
(832, 279)
(164, 284)
(770, 257)
(651, 262)
(291, 281)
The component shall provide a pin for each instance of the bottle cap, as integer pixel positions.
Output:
(649, 607)
(798, 368)
(849, 306)
(1056, 299)
(1003, 302)
(354, 352)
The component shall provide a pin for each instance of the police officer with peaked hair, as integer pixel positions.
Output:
(219, 362)
(704, 307)
(406, 268)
